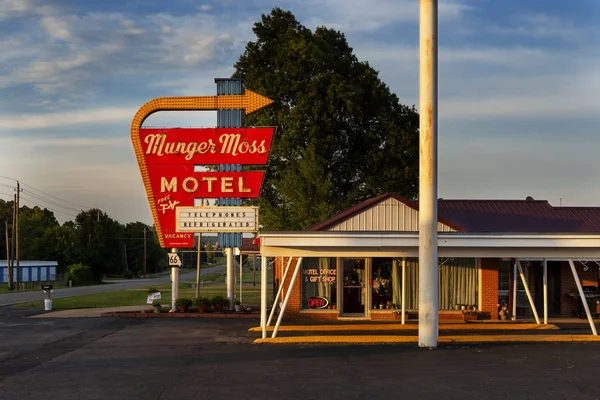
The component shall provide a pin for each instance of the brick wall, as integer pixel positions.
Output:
(489, 286)
(568, 304)
(293, 306)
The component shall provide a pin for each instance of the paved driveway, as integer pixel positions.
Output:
(22, 297)
(109, 358)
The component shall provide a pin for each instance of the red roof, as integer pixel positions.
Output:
(532, 216)
(588, 217)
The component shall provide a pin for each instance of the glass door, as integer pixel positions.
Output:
(353, 287)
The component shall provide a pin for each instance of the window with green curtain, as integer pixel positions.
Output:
(458, 283)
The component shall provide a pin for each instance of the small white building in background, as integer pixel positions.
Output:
(31, 271)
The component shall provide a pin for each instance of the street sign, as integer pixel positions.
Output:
(174, 260)
(167, 156)
(217, 219)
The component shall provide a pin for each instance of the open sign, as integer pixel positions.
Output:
(317, 302)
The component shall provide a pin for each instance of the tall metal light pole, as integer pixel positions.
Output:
(428, 260)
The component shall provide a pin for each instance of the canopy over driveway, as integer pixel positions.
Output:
(551, 246)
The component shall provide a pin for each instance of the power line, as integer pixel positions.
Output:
(48, 208)
(57, 198)
(51, 202)
(44, 193)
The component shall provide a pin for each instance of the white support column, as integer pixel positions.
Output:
(403, 291)
(174, 284)
(263, 295)
(428, 252)
(582, 296)
(545, 291)
(241, 277)
(531, 303)
(287, 296)
(514, 303)
(279, 289)
(230, 276)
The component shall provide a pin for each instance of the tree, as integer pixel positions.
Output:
(342, 135)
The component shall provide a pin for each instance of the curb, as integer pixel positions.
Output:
(414, 339)
(151, 314)
(411, 327)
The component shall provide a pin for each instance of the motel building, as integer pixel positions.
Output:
(363, 262)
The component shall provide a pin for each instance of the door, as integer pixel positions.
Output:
(353, 287)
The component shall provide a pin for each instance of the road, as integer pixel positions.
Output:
(178, 358)
(23, 297)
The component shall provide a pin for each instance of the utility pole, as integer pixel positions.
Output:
(8, 257)
(17, 232)
(144, 251)
(428, 171)
(125, 251)
(11, 268)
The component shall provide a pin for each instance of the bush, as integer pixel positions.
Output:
(202, 301)
(183, 302)
(80, 274)
(153, 289)
(220, 300)
(128, 274)
(156, 303)
(237, 303)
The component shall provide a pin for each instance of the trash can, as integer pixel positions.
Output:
(47, 301)
(47, 304)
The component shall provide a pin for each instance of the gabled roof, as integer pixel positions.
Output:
(357, 209)
(511, 216)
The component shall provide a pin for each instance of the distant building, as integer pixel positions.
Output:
(31, 271)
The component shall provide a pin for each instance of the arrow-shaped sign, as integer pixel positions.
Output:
(249, 101)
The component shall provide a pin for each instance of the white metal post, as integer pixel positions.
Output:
(582, 296)
(428, 261)
(263, 295)
(279, 289)
(287, 296)
(174, 284)
(241, 277)
(545, 291)
(514, 304)
(403, 294)
(230, 276)
(531, 303)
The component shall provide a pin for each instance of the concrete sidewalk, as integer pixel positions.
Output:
(89, 312)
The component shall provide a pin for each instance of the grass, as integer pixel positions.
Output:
(133, 297)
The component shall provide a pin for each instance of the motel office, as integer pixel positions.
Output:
(362, 263)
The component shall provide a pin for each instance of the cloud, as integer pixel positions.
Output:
(359, 15)
(63, 142)
(57, 28)
(9, 8)
(66, 118)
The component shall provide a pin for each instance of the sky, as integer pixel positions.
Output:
(519, 89)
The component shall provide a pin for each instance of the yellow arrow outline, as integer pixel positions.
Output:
(250, 101)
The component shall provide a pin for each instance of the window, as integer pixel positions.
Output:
(385, 282)
(504, 278)
(319, 283)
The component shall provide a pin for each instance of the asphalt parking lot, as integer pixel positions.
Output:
(119, 358)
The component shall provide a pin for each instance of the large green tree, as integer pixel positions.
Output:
(342, 135)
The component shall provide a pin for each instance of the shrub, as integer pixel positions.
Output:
(156, 303)
(202, 301)
(237, 303)
(153, 289)
(183, 302)
(80, 274)
(219, 300)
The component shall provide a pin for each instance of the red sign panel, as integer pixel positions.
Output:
(178, 185)
(206, 146)
(167, 157)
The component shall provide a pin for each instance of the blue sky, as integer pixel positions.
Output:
(519, 85)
